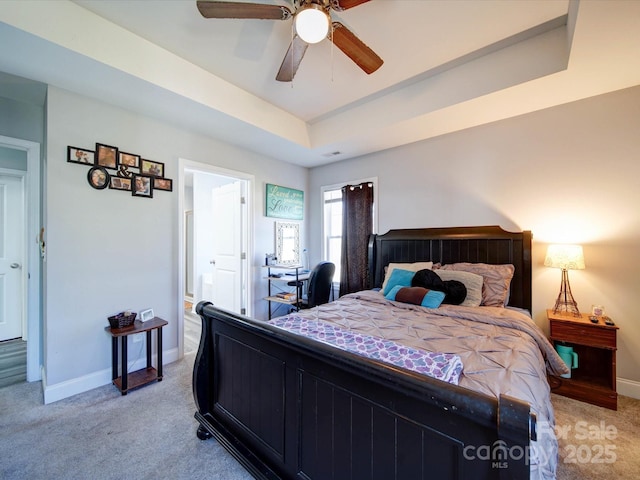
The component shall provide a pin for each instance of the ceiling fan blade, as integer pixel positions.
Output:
(292, 60)
(355, 49)
(214, 9)
(340, 5)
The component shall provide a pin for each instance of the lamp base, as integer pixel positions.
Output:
(565, 301)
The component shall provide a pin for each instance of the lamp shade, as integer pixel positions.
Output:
(566, 257)
(312, 23)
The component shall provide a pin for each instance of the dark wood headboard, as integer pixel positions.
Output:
(488, 244)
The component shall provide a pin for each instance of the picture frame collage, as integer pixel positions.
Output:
(115, 169)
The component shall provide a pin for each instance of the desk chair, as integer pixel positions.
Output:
(319, 287)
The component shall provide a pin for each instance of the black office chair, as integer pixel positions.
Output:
(319, 286)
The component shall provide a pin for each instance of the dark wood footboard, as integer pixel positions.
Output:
(288, 407)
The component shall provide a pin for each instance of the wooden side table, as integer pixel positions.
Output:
(594, 381)
(128, 381)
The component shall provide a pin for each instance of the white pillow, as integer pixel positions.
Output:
(472, 281)
(413, 267)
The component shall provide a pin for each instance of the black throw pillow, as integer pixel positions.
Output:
(428, 279)
(455, 291)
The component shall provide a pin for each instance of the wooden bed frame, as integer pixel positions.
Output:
(289, 407)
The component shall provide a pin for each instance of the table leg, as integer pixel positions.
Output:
(114, 358)
(159, 369)
(149, 364)
(124, 362)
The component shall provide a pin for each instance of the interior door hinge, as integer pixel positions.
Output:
(243, 256)
(243, 200)
(243, 311)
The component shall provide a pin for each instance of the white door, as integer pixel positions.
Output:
(11, 256)
(227, 246)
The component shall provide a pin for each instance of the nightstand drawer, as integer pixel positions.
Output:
(583, 334)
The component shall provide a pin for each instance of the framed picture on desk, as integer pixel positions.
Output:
(146, 315)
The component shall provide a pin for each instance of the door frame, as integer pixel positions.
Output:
(184, 165)
(32, 251)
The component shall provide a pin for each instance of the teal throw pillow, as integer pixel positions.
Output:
(398, 277)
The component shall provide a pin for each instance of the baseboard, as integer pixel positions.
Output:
(628, 388)
(68, 388)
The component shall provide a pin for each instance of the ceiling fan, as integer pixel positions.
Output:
(312, 20)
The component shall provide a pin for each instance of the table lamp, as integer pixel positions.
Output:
(566, 257)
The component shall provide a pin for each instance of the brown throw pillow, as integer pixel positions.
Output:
(412, 295)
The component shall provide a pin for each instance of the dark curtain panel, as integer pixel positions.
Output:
(357, 225)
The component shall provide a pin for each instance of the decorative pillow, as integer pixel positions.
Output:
(497, 280)
(455, 291)
(413, 267)
(428, 279)
(471, 281)
(416, 296)
(398, 277)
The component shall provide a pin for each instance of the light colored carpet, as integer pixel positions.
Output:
(595, 442)
(148, 434)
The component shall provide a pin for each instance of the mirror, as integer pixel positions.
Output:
(288, 243)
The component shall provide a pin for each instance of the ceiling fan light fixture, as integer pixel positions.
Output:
(312, 23)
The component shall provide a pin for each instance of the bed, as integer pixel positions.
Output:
(288, 406)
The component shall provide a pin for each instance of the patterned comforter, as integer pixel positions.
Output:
(502, 351)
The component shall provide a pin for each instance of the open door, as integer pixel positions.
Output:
(218, 251)
(227, 282)
(12, 257)
(27, 154)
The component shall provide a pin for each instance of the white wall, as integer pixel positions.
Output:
(21, 120)
(569, 174)
(108, 251)
(13, 159)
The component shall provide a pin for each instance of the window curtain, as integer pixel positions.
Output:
(357, 225)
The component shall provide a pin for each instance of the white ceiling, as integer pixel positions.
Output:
(448, 65)
(411, 36)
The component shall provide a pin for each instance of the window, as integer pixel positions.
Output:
(333, 228)
(332, 222)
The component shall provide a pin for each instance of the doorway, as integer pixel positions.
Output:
(20, 166)
(12, 256)
(215, 210)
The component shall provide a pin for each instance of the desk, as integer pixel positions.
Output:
(128, 381)
(291, 274)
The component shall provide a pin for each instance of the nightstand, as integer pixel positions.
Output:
(594, 381)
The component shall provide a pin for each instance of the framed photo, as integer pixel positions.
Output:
(163, 184)
(155, 169)
(129, 160)
(80, 155)
(106, 156)
(146, 315)
(98, 177)
(142, 186)
(121, 183)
